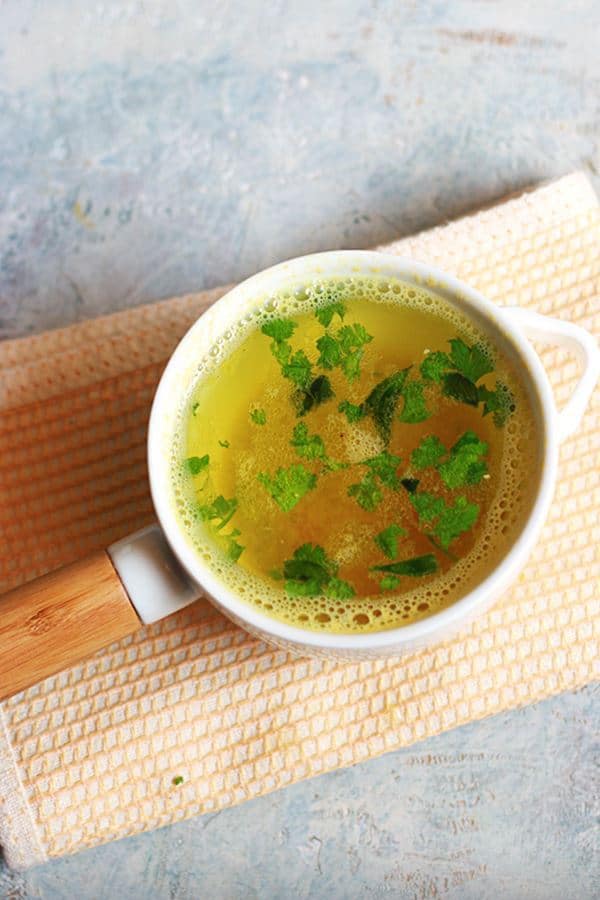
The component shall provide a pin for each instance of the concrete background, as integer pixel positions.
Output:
(152, 148)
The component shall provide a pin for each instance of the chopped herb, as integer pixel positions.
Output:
(177, 780)
(417, 566)
(288, 486)
(197, 464)
(326, 313)
(318, 392)
(330, 352)
(464, 465)
(499, 402)
(389, 583)
(381, 402)
(460, 388)
(259, 416)
(387, 540)
(220, 510)
(471, 362)
(298, 369)
(344, 349)
(353, 412)
(385, 466)
(310, 446)
(282, 351)
(415, 409)
(366, 492)
(195, 408)
(410, 484)
(434, 365)
(429, 452)
(224, 444)
(310, 572)
(279, 329)
(447, 521)
(232, 548)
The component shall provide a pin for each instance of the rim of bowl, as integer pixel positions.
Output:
(372, 263)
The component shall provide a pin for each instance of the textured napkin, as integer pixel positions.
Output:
(90, 755)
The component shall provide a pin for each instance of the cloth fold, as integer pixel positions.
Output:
(91, 755)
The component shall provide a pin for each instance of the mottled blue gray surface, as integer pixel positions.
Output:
(152, 148)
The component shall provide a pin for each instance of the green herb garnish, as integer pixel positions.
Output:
(499, 402)
(195, 408)
(366, 492)
(197, 464)
(352, 412)
(389, 583)
(224, 444)
(385, 466)
(381, 402)
(410, 484)
(471, 362)
(279, 329)
(459, 388)
(310, 572)
(298, 369)
(177, 780)
(310, 446)
(317, 392)
(344, 349)
(416, 566)
(415, 409)
(219, 511)
(288, 486)
(461, 465)
(326, 313)
(387, 540)
(429, 452)
(434, 365)
(446, 521)
(259, 416)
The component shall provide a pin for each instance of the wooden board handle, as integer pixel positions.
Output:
(59, 619)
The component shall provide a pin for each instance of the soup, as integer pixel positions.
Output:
(354, 457)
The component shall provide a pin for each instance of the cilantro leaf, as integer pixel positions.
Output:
(387, 540)
(330, 352)
(279, 329)
(381, 402)
(326, 313)
(282, 351)
(352, 337)
(196, 464)
(232, 549)
(288, 486)
(298, 369)
(410, 485)
(317, 392)
(310, 446)
(353, 412)
(463, 465)
(429, 452)
(447, 521)
(471, 362)
(366, 492)
(434, 365)
(224, 444)
(385, 466)
(415, 409)
(219, 511)
(416, 566)
(499, 402)
(351, 364)
(258, 416)
(460, 388)
(344, 349)
(310, 572)
(389, 582)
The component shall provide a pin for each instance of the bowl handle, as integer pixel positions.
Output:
(563, 334)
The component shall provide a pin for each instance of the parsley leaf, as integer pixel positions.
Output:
(460, 388)
(196, 464)
(344, 349)
(415, 409)
(429, 452)
(310, 572)
(385, 466)
(409, 484)
(232, 549)
(279, 329)
(353, 412)
(471, 362)
(317, 392)
(310, 446)
(219, 511)
(326, 313)
(298, 369)
(330, 352)
(387, 540)
(381, 402)
(434, 365)
(389, 582)
(288, 486)
(447, 521)
(416, 566)
(463, 465)
(259, 416)
(499, 402)
(366, 492)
